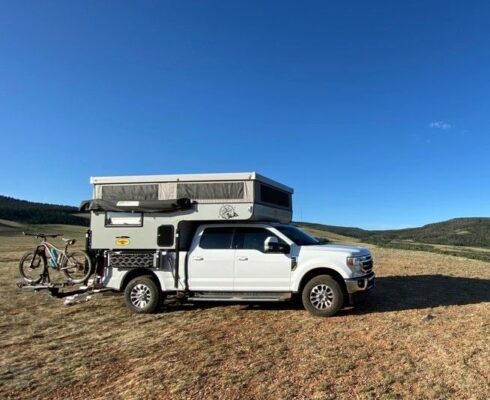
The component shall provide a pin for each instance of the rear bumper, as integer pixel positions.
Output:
(360, 284)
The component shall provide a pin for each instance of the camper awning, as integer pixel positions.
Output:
(151, 206)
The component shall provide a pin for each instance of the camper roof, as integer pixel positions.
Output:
(239, 176)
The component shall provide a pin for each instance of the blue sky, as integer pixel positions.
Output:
(377, 113)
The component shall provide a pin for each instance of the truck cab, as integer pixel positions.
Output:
(270, 262)
(214, 237)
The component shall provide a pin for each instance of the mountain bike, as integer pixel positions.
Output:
(34, 265)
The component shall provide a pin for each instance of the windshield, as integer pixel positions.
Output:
(297, 235)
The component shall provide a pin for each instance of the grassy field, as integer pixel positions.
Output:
(423, 333)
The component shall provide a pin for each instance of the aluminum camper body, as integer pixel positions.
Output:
(135, 212)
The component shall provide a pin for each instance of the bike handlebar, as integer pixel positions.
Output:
(42, 235)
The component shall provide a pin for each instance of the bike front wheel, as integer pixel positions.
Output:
(77, 266)
(32, 266)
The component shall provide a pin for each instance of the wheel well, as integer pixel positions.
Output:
(322, 271)
(134, 273)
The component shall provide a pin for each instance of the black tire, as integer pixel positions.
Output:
(77, 266)
(31, 267)
(322, 296)
(142, 295)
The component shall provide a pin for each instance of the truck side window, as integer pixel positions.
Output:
(216, 238)
(252, 238)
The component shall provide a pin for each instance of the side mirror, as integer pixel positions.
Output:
(272, 245)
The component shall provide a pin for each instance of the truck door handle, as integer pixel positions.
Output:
(242, 258)
(198, 258)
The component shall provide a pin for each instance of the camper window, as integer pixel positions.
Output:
(113, 218)
(165, 236)
(129, 192)
(211, 190)
(271, 195)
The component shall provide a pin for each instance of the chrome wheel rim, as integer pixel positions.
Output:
(321, 297)
(140, 296)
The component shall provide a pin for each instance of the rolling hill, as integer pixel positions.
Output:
(14, 212)
(462, 237)
(474, 232)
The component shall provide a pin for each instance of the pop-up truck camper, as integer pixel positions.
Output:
(214, 237)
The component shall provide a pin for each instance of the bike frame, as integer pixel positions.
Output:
(55, 254)
(48, 251)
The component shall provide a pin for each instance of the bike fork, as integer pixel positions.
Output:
(45, 279)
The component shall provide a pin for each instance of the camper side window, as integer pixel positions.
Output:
(165, 235)
(114, 218)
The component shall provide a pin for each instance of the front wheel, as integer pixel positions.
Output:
(32, 266)
(142, 295)
(77, 266)
(322, 296)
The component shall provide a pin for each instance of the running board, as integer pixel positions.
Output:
(240, 296)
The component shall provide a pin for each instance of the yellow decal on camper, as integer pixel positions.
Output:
(122, 241)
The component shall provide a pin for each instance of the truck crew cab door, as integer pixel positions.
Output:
(256, 270)
(211, 260)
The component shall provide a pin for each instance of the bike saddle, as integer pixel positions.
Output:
(69, 241)
(41, 235)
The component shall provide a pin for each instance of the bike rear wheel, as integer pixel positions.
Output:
(32, 266)
(77, 266)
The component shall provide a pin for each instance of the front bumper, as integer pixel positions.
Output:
(360, 284)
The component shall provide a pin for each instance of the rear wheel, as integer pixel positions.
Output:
(142, 295)
(77, 266)
(31, 267)
(322, 296)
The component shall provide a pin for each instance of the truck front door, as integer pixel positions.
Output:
(211, 260)
(256, 270)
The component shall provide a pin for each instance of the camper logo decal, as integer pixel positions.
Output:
(226, 212)
(122, 240)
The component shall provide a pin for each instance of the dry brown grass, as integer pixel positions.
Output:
(386, 349)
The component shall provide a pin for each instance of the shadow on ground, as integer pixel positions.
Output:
(392, 293)
(397, 293)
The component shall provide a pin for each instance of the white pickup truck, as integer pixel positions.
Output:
(255, 263)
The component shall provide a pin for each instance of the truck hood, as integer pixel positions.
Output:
(339, 248)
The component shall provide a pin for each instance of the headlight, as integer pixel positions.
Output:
(353, 262)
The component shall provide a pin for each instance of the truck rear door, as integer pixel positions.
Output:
(211, 260)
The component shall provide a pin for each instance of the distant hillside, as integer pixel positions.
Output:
(37, 213)
(473, 232)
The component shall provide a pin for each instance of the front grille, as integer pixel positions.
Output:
(366, 264)
(131, 259)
